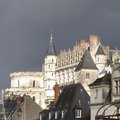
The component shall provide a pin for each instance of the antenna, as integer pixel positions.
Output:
(51, 35)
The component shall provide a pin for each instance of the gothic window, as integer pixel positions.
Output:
(117, 87)
(87, 76)
(34, 83)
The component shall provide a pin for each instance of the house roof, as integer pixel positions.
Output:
(105, 80)
(86, 62)
(51, 48)
(71, 96)
(10, 106)
(100, 51)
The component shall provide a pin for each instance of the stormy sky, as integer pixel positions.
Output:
(25, 27)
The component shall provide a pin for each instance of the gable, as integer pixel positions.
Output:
(116, 74)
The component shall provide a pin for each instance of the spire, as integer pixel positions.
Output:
(51, 37)
(51, 47)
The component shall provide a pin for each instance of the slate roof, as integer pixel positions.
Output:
(100, 51)
(105, 80)
(51, 48)
(70, 96)
(86, 62)
(10, 106)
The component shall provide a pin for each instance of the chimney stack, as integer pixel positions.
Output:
(56, 91)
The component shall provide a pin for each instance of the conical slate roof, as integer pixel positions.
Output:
(51, 47)
(100, 51)
(86, 62)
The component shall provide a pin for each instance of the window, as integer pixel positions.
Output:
(49, 115)
(77, 113)
(52, 74)
(49, 66)
(48, 86)
(52, 60)
(96, 94)
(18, 83)
(117, 87)
(98, 58)
(55, 114)
(33, 83)
(33, 98)
(87, 76)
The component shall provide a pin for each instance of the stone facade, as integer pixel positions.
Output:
(28, 83)
(68, 60)
(61, 68)
(105, 94)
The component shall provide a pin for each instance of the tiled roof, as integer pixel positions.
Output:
(86, 62)
(100, 51)
(105, 80)
(71, 96)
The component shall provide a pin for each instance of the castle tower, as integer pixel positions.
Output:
(100, 58)
(50, 79)
(86, 71)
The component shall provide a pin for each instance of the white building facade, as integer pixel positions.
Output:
(61, 68)
(28, 83)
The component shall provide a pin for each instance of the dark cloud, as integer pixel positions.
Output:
(25, 29)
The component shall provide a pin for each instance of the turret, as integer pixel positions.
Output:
(50, 79)
(100, 58)
(86, 71)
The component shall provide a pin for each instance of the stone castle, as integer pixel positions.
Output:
(83, 63)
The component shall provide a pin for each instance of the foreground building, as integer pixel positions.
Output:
(105, 95)
(72, 104)
(19, 108)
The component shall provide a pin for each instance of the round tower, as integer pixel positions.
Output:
(50, 63)
(100, 58)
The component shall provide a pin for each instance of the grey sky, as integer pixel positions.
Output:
(25, 29)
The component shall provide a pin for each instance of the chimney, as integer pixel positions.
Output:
(19, 100)
(56, 91)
